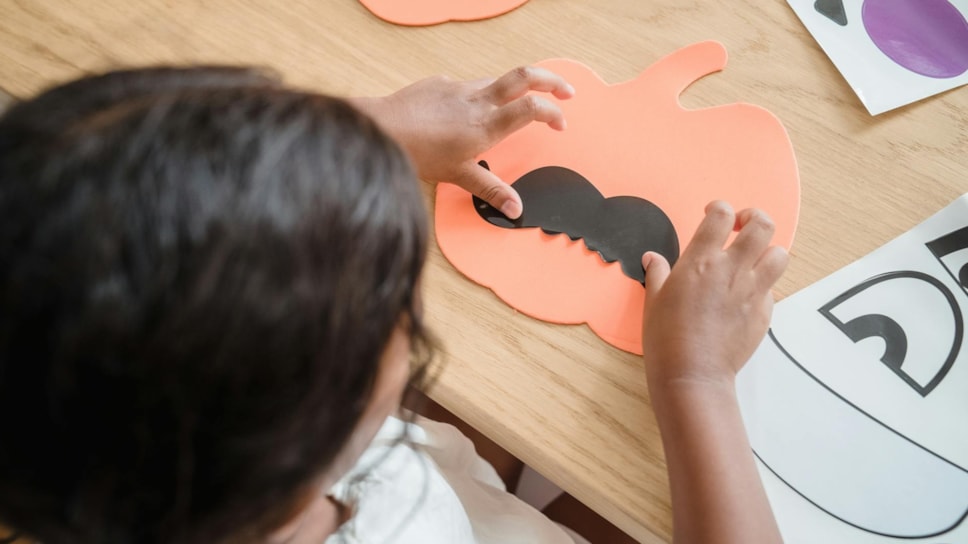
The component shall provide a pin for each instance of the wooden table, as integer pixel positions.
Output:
(565, 402)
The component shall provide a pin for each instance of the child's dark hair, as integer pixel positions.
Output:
(199, 270)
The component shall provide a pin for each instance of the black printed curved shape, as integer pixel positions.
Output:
(772, 338)
(833, 10)
(952, 242)
(867, 326)
(881, 326)
(561, 201)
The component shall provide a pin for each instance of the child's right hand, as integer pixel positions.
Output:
(702, 323)
(704, 319)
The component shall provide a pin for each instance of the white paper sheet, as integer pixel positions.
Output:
(857, 401)
(880, 82)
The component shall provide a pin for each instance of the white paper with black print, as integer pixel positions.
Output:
(856, 402)
(892, 52)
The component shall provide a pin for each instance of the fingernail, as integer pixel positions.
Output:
(511, 209)
(569, 88)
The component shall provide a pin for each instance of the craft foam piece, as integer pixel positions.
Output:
(560, 201)
(855, 402)
(432, 12)
(630, 139)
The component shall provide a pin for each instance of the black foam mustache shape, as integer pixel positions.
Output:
(561, 201)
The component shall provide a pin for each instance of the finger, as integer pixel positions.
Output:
(487, 186)
(478, 84)
(755, 233)
(523, 111)
(714, 229)
(656, 271)
(521, 80)
(771, 265)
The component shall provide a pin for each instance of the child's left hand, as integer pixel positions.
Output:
(445, 125)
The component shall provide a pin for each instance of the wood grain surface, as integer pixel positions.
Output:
(565, 402)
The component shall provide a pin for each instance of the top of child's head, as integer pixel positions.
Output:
(200, 274)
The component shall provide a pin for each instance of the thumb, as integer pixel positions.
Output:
(656, 271)
(485, 185)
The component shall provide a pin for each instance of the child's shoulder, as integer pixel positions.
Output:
(451, 494)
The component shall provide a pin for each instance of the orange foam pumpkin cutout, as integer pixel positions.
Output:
(432, 12)
(634, 139)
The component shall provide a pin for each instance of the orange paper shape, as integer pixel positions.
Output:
(432, 12)
(632, 138)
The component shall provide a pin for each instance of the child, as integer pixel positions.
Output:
(210, 301)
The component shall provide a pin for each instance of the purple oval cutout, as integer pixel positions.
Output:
(929, 37)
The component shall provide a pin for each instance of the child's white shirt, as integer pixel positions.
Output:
(434, 490)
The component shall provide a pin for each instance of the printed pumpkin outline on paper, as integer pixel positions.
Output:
(434, 12)
(923, 494)
(905, 503)
(628, 139)
(855, 399)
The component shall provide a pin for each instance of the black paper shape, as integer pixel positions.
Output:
(561, 201)
(833, 10)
